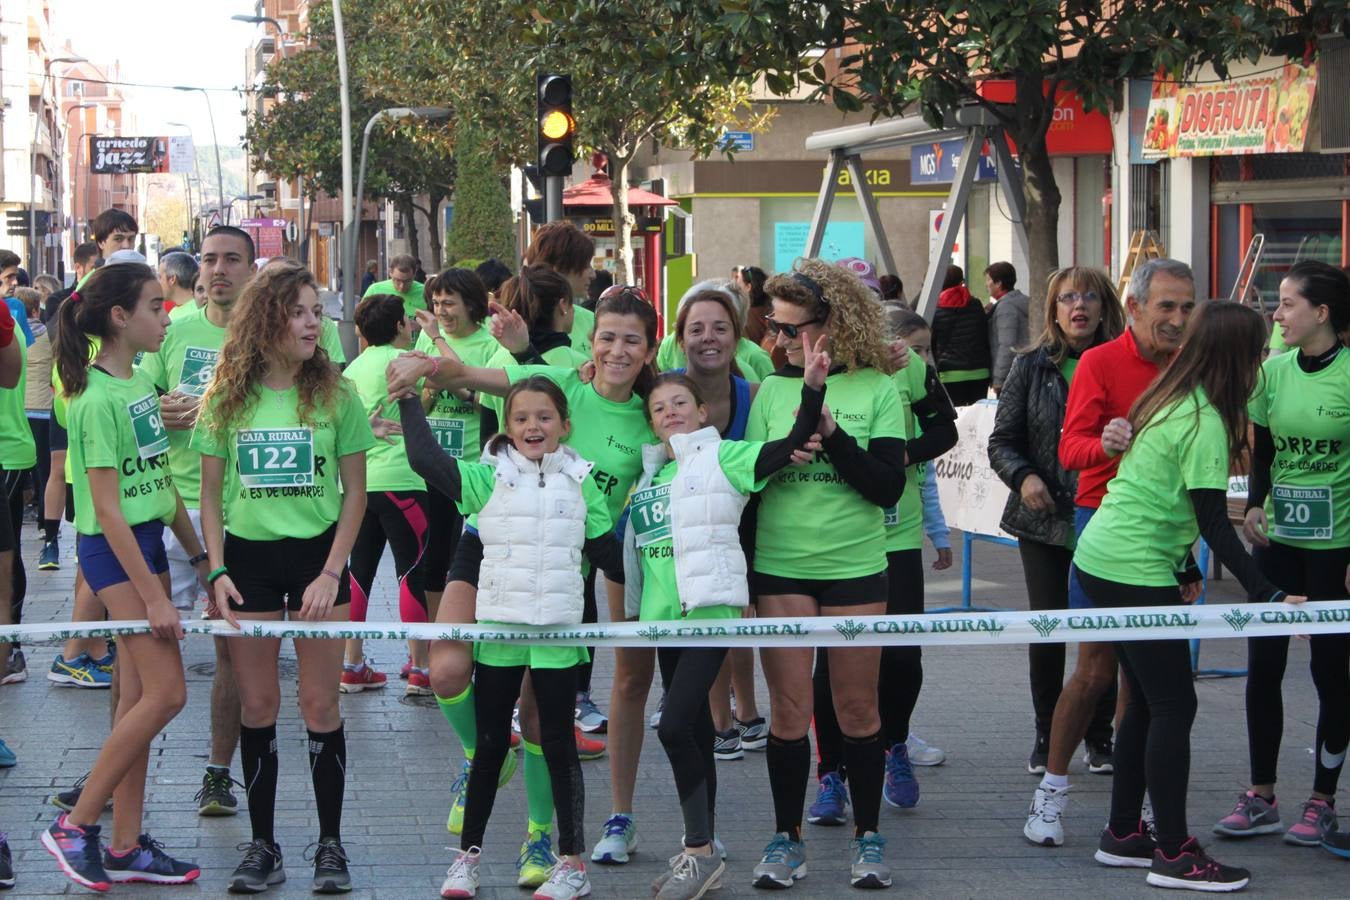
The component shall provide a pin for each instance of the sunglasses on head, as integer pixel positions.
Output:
(620, 290)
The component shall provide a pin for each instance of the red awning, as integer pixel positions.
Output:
(594, 191)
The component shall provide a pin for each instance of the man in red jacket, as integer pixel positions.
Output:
(1160, 298)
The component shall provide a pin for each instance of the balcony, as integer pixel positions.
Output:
(263, 53)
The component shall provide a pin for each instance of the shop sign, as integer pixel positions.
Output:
(642, 224)
(1073, 130)
(140, 155)
(937, 163)
(1266, 113)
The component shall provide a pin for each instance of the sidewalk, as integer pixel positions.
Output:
(964, 839)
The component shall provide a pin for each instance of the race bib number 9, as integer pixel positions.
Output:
(449, 435)
(650, 515)
(270, 457)
(1302, 512)
(148, 426)
(199, 364)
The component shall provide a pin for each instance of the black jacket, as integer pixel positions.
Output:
(961, 337)
(1025, 441)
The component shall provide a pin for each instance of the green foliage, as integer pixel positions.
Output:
(481, 227)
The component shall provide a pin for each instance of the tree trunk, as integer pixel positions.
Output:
(409, 214)
(623, 219)
(432, 212)
(1033, 114)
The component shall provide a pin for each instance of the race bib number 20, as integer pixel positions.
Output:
(271, 457)
(1302, 512)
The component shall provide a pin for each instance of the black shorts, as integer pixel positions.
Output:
(468, 559)
(11, 485)
(56, 435)
(273, 575)
(825, 591)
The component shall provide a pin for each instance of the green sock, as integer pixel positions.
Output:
(538, 788)
(459, 712)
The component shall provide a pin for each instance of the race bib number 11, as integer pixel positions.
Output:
(1302, 512)
(449, 435)
(650, 515)
(270, 457)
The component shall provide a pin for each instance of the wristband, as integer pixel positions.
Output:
(435, 366)
(333, 575)
(216, 573)
(199, 558)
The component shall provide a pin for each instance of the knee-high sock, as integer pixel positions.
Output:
(865, 758)
(459, 712)
(538, 788)
(328, 769)
(789, 764)
(258, 754)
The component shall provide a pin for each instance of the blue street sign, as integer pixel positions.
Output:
(740, 141)
(936, 163)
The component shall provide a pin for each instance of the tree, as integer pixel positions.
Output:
(166, 216)
(481, 228)
(896, 55)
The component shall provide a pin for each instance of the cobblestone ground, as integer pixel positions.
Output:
(964, 839)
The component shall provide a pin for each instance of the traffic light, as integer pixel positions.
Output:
(557, 127)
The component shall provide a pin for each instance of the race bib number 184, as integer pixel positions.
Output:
(650, 515)
(270, 457)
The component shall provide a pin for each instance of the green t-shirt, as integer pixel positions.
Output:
(904, 521)
(649, 518)
(477, 482)
(454, 420)
(387, 466)
(606, 433)
(811, 523)
(1309, 420)
(753, 361)
(17, 449)
(583, 323)
(501, 358)
(1277, 345)
(185, 362)
(414, 298)
(330, 340)
(1067, 367)
(281, 477)
(1146, 525)
(183, 310)
(115, 424)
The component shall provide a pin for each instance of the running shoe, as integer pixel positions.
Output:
(419, 683)
(922, 753)
(1316, 820)
(783, 862)
(1044, 826)
(50, 558)
(655, 720)
(901, 789)
(1253, 815)
(830, 803)
(1193, 870)
(80, 672)
(1337, 843)
(1133, 851)
(260, 869)
(148, 863)
(589, 748)
(77, 853)
(215, 798)
(754, 734)
(619, 840)
(16, 668)
(1098, 756)
(6, 864)
(330, 867)
(869, 869)
(589, 717)
(727, 744)
(690, 877)
(567, 881)
(1040, 755)
(66, 800)
(405, 669)
(536, 860)
(105, 664)
(460, 788)
(360, 678)
(461, 879)
(7, 757)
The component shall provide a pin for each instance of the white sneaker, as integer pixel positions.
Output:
(922, 753)
(461, 879)
(565, 882)
(620, 839)
(1044, 827)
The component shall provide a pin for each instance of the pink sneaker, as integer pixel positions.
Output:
(419, 684)
(1316, 820)
(1253, 815)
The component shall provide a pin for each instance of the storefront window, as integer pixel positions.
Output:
(1294, 232)
(1149, 195)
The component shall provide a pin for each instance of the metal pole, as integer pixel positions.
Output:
(871, 218)
(350, 203)
(553, 200)
(824, 201)
(952, 218)
(350, 236)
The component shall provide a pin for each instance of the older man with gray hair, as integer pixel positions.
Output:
(1107, 380)
(177, 275)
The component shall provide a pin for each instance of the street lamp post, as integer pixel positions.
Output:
(220, 178)
(74, 179)
(350, 235)
(350, 206)
(33, 262)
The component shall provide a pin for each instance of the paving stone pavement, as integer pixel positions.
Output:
(964, 839)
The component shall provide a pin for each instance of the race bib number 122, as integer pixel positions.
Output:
(271, 457)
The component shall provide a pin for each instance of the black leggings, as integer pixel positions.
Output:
(1045, 568)
(901, 671)
(590, 614)
(398, 518)
(444, 527)
(1153, 744)
(14, 481)
(686, 731)
(1319, 574)
(495, 691)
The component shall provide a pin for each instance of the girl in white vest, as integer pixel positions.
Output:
(683, 561)
(537, 513)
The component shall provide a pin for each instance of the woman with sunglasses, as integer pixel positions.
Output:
(837, 566)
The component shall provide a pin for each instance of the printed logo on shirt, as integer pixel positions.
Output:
(620, 446)
(1290, 443)
(1332, 413)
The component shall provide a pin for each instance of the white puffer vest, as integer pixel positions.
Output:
(533, 527)
(705, 517)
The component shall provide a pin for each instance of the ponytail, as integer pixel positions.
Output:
(87, 313)
(536, 294)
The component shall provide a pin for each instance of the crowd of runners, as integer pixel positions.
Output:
(528, 454)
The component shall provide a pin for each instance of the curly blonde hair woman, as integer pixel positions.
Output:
(820, 549)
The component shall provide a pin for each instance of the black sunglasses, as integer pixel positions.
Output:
(792, 331)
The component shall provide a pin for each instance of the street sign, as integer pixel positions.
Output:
(936, 163)
(263, 223)
(740, 141)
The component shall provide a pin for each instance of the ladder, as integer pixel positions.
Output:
(1242, 286)
(1143, 247)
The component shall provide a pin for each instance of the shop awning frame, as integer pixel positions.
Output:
(846, 147)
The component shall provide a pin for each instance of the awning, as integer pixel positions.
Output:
(594, 191)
